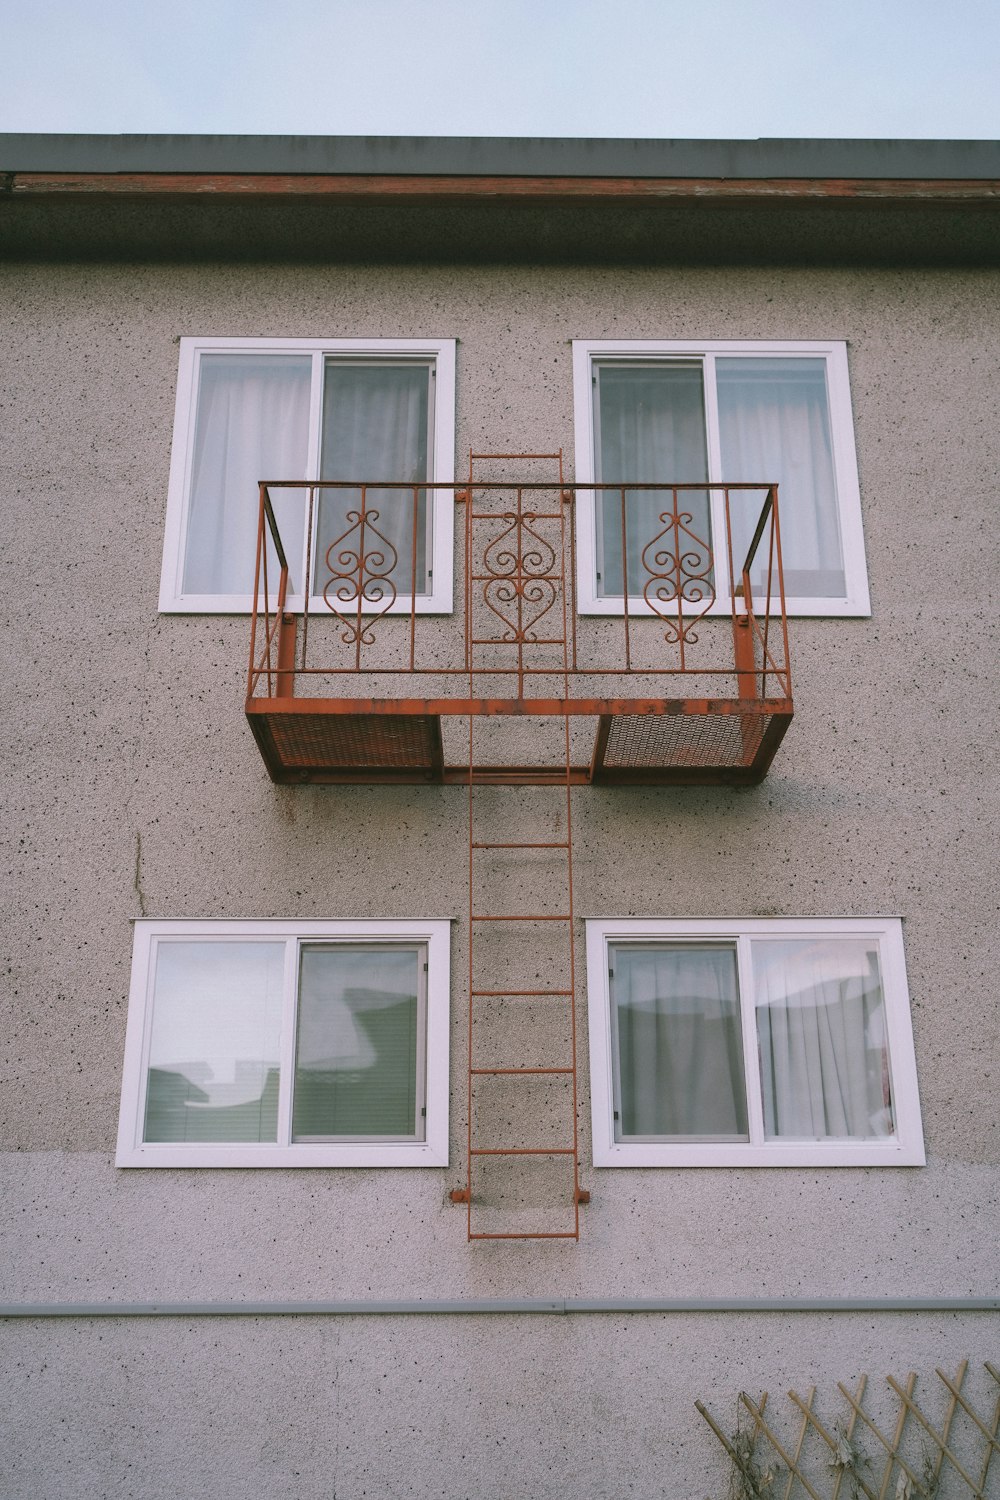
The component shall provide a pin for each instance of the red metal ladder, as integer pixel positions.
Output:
(543, 1169)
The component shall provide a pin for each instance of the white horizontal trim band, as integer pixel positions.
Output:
(460, 1305)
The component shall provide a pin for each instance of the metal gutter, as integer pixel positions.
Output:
(560, 1306)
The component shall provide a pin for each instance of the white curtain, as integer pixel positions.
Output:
(679, 1046)
(650, 424)
(823, 1049)
(375, 426)
(252, 424)
(774, 426)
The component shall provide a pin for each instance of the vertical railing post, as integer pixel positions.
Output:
(746, 667)
(285, 686)
(287, 632)
(743, 644)
(786, 665)
(679, 581)
(307, 580)
(268, 632)
(413, 579)
(252, 673)
(628, 641)
(569, 563)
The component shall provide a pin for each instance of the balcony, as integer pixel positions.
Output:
(679, 676)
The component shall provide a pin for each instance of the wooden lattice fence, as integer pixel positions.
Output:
(946, 1456)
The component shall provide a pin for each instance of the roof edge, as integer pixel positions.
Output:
(513, 156)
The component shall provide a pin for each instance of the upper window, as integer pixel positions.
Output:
(254, 1044)
(751, 1043)
(736, 413)
(339, 410)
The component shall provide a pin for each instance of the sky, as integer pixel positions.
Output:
(616, 68)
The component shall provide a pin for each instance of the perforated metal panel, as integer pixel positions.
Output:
(668, 740)
(331, 741)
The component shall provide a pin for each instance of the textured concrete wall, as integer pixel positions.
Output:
(134, 788)
(376, 1407)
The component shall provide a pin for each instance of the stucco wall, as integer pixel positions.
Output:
(371, 1407)
(134, 788)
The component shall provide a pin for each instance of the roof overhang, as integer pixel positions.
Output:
(395, 198)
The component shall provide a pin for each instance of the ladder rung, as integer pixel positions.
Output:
(494, 1072)
(528, 1234)
(497, 640)
(523, 1151)
(517, 994)
(522, 917)
(562, 845)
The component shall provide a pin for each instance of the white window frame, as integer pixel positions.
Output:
(432, 1151)
(904, 1148)
(586, 351)
(439, 352)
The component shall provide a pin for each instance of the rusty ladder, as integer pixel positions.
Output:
(523, 563)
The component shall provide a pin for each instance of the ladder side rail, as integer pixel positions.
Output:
(570, 925)
(524, 572)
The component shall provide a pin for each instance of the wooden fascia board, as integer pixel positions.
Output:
(349, 188)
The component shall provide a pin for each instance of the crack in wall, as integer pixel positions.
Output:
(137, 876)
(129, 799)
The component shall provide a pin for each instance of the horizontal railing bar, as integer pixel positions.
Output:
(524, 640)
(527, 708)
(493, 485)
(513, 671)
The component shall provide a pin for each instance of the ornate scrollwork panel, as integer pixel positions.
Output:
(522, 584)
(360, 564)
(679, 567)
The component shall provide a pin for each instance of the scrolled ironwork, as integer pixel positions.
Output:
(536, 560)
(680, 574)
(361, 577)
(520, 564)
(536, 596)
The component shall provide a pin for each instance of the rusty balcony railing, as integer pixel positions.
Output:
(678, 673)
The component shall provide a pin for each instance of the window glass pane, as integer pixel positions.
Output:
(650, 424)
(677, 1041)
(822, 1035)
(252, 424)
(774, 425)
(357, 1043)
(213, 1056)
(375, 426)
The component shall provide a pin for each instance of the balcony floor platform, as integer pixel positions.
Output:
(637, 741)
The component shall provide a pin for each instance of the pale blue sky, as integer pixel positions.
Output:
(717, 68)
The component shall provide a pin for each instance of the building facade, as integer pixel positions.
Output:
(783, 1094)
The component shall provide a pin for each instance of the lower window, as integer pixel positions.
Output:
(751, 1042)
(287, 1044)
